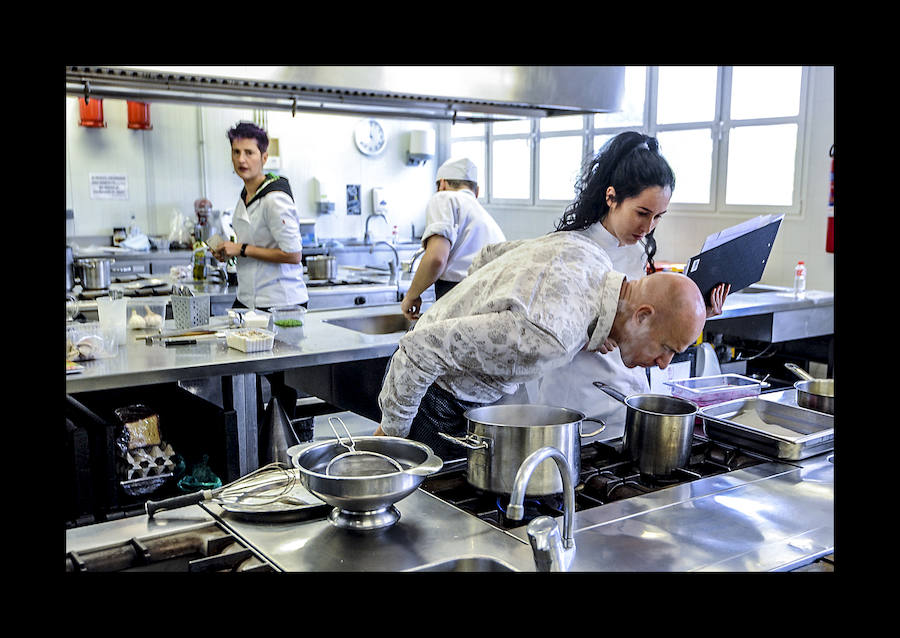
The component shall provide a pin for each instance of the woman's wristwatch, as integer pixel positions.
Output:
(243, 250)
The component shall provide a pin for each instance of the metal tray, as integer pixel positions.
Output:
(774, 428)
(256, 508)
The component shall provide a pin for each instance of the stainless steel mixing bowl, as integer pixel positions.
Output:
(364, 502)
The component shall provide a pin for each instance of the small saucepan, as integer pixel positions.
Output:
(659, 430)
(812, 393)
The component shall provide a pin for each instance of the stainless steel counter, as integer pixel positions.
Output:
(771, 517)
(319, 343)
(773, 314)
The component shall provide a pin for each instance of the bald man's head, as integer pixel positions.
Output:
(658, 316)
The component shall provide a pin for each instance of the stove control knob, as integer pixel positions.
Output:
(359, 301)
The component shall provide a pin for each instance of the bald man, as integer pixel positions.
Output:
(526, 308)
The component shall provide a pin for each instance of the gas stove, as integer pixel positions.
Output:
(607, 475)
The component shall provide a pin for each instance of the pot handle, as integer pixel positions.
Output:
(800, 372)
(615, 394)
(595, 420)
(469, 441)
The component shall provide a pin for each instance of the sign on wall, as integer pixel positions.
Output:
(109, 186)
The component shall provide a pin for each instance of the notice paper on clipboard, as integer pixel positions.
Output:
(736, 255)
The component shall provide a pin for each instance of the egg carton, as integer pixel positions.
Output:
(145, 462)
(250, 340)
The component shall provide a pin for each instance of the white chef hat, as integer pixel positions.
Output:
(462, 168)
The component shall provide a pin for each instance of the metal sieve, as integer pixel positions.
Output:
(356, 463)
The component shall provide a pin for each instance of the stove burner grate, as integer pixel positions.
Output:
(607, 475)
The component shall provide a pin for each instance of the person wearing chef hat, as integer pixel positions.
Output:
(457, 227)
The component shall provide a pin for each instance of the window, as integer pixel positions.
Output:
(732, 135)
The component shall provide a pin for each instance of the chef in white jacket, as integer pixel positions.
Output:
(457, 227)
(623, 195)
(268, 247)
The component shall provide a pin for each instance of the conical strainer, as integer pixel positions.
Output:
(356, 463)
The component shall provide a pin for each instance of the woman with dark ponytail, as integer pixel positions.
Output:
(622, 195)
(625, 167)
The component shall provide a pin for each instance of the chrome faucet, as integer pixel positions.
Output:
(395, 265)
(367, 238)
(551, 553)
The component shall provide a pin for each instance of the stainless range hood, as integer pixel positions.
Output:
(454, 93)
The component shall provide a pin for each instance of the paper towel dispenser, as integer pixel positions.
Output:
(421, 147)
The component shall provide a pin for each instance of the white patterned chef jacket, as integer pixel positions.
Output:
(457, 216)
(524, 309)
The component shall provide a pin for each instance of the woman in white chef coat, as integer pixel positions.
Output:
(623, 195)
(267, 227)
(268, 247)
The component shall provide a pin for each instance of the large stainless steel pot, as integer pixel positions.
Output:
(812, 393)
(95, 272)
(321, 267)
(658, 430)
(500, 437)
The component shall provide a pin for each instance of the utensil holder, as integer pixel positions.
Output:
(190, 311)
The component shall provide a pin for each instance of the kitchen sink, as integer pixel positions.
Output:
(467, 564)
(374, 325)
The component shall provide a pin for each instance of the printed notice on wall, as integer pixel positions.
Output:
(109, 186)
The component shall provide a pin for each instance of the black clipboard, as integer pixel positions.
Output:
(739, 261)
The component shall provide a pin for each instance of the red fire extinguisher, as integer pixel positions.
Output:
(829, 238)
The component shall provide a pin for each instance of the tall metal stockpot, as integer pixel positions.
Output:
(95, 272)
(321, 267)
(659, 430)
(500, 437)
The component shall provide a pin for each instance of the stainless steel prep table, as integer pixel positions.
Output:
(772, 314)
(773, 517)
(322, 343)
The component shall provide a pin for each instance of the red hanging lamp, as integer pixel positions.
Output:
(91, 110)
(139, 116)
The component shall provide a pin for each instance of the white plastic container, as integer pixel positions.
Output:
(250, 339)
(146, 313)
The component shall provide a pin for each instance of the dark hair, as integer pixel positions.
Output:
(630, 162)
(456, 184)
(249, 131)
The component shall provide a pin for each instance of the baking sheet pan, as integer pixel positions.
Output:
(776, 428)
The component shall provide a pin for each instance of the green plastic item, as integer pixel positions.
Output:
(200, 478)
(288, 323)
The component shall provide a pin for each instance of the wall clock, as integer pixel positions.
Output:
(369, 137)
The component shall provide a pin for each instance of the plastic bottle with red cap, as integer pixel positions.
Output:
(800, 280)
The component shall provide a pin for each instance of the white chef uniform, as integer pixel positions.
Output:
(270, 221)
(571, 386)
(457, 216)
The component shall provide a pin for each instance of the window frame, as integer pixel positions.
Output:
(720, 128)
